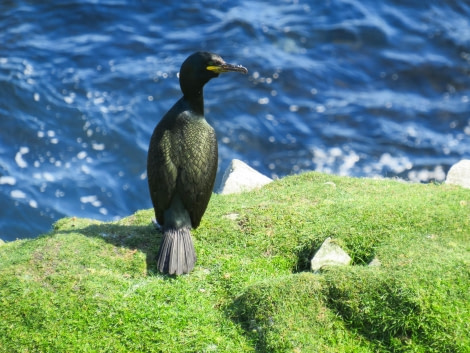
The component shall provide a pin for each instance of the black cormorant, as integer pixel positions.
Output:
(182, 163)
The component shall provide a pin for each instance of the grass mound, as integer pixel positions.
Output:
(89, 286)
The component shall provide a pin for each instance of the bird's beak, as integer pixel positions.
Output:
(218, 69)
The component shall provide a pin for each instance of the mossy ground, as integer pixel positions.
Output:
(92, 287)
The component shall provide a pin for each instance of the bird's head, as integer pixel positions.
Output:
(200, 67)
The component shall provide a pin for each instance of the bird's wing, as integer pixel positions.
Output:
(197, 177)
(162, 173)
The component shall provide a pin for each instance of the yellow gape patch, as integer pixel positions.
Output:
(216, 69)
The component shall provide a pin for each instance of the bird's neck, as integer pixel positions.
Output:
(196, 101)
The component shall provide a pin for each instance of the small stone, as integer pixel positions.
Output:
(240, 177)
(459, 174)
(375, 262)
(329, 254)
(231, 216)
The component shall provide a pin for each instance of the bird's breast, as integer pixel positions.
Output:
(193, 142)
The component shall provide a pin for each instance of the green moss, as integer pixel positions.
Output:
(89, 286)
(290, 314)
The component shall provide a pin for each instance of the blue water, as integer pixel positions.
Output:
(359, 88)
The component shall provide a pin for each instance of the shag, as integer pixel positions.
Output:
(182, 163)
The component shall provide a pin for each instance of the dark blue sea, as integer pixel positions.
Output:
(352, 87)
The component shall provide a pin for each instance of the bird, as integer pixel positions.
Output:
(182, 163)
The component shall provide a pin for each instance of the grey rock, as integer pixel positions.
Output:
(459, 174)
(240, 177)
(329, 254)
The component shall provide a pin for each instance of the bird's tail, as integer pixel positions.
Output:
(176, 255)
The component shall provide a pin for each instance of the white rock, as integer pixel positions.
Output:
(240, 177)
(329, 254)
(459, 174)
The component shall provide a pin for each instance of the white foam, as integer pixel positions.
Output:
(334, 160)
(91, 199)
(81, 155)
(28, 70)
(69, 99)
(99, 100)
(85, 169)
(98, 146)
(426, 175)
(396, 164)
(17, 194)
(294, 108)
(88, 199)
(9, 180)
(19, 157)
(48, 176)
(349, 161)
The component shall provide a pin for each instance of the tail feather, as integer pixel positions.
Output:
(176, 254)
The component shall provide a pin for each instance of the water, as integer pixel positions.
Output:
(355, 88)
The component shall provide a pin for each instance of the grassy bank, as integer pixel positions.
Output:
(92, 287)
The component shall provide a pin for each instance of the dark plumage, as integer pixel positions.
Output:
(182, 163)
